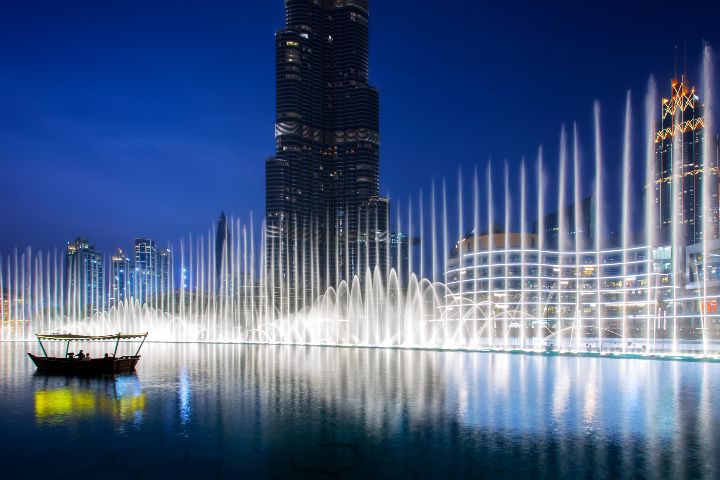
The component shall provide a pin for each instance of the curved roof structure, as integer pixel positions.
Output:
(89, 338)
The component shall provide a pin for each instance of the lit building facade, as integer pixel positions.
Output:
(222, 253)
(121, 276)
(152, 273)
(684, 252)
(325, 170)
(681, 176)
(526, 292)
(401, 253)
(83, 277)
(372, 238)
(164, 271)
(145, 275)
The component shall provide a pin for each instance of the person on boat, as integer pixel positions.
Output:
(81, 355)
(106, 355)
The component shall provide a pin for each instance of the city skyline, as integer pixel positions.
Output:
(26, 138)
(360, 239)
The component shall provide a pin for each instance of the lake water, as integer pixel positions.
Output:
(234, 411)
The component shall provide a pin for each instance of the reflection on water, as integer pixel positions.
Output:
(552, 416)
(184, 397)
(119, 398)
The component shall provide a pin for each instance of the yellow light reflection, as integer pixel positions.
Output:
(57, 406)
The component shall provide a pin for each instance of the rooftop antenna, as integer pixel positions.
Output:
(676, 60)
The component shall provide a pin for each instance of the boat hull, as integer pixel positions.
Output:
(92, 367)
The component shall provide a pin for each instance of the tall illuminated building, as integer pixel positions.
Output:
(326, 166)
(222, 253)
(680, 170)
(146, 277)
(164, 271)
(83, 277)
(121, 276)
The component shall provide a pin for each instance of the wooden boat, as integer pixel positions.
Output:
(72, 365)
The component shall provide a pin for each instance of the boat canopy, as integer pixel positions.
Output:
(88, 338)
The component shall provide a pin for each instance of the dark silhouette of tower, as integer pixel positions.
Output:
(324, 176)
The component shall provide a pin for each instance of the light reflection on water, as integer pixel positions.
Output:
(73, 399)
(558, 416)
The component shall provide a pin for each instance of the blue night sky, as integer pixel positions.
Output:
(148, 117)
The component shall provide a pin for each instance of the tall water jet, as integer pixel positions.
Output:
(599, 225)
(561, 241)
(475, 245)
(677, 223)
(650, 213)
(433, 233)
(490, 317)
(421, 235)
(506, 306)
(523, 252)
(541, 317)
(446, 250)
(627, 152)
(460, 253)
(578, 327)
(709, 206)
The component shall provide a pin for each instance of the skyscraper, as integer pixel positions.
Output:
(121, 277)
(585, 231)
(153, 273)
(164, 272)
(326, 165)
(83, 276)
(680, 170)
(222, 254)
(146, 278)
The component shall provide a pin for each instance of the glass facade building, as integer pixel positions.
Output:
(145, 283)
(121, 276)
(223, 282)
(84, 277)
(681, 177)
(325, 170)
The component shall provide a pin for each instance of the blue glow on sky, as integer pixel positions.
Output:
(125, 119)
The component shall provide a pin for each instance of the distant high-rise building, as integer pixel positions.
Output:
(222, 254)
(584, 231)
(401, 251)
(83, 276)
(121, 276)
(146, 277)
(372, 237)
(164, 271)
(153, 272)
(679, 170)
(326, 166)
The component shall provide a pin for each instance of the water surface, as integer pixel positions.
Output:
(233, 411)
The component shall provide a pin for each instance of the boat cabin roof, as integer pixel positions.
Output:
(88, 338)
